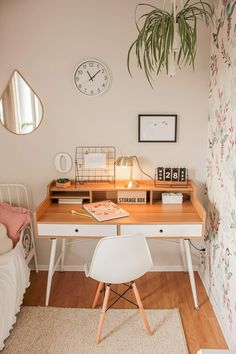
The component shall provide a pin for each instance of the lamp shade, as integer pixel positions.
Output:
(124, 161)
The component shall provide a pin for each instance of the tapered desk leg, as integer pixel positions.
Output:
(51, 269)
(63, 246)
(191, 274)
(183, 255)
(35, 255)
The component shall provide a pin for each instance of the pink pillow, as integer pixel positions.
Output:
(15, 219)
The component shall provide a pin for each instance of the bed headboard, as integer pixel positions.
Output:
(17, 195)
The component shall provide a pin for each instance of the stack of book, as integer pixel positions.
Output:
(70, 201)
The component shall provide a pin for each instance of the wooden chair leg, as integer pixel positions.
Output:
(141, 309)
(98, 292)
(102, 318)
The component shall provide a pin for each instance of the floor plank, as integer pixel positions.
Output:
(164, 290)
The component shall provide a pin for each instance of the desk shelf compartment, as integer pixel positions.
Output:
(97, 196)
(94, 192)
(70, 196)
(157, 195)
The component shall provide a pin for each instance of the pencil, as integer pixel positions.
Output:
(81, 214)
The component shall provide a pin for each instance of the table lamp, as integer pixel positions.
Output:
(127, 161)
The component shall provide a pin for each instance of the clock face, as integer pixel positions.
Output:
(91, 77)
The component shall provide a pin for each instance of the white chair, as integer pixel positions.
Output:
(116, 260)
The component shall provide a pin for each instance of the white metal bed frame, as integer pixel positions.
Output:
(17, 195)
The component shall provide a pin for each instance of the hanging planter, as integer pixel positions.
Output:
(166, 39)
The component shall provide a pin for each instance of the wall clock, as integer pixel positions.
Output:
(91, 77)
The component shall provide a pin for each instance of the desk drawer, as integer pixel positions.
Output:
(167, 230)
(71, 230)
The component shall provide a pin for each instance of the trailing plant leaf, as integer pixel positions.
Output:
(156, 31)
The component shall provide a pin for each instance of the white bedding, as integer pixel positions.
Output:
(14, 279)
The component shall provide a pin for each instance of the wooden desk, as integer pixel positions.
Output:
(155, 220)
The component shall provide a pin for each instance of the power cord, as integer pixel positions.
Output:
(141, 168)
(196, 248)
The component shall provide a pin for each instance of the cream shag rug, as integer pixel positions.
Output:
(41, 330)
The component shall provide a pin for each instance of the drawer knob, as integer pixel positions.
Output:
(160, 230)
(76, 230)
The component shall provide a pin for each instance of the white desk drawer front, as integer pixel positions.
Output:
(51, 230)
(173, 230)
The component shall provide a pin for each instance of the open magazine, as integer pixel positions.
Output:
(105, 210)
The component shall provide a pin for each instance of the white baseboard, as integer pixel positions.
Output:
(156, 268)
(219, 316)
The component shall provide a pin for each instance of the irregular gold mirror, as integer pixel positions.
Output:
(21, 111)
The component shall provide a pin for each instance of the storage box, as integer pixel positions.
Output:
(172, 198)
(132, 197)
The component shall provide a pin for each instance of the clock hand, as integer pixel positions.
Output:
(94, 75)
(90, 77)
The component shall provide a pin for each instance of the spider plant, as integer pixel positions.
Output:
(158, 30)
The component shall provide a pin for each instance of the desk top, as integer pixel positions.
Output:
(153, 212)
(139, 214)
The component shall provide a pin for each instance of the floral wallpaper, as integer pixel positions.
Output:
(219, 262)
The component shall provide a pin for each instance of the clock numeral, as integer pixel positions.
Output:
(175, 174)
(98, 90)
(91, 64)
(92, 92)
(80, 85)
(167, 174)
(80, 72)
(84, 66)
(105, 77)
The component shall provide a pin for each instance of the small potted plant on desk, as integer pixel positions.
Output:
(63, 183)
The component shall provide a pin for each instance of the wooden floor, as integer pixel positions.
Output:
(163, 290)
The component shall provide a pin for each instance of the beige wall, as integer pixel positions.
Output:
(45, 40)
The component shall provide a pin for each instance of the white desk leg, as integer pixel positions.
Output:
(63, 246)
(183, 254)
(51, 269)
(191, 274)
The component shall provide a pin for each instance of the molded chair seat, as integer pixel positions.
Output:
(117, 260)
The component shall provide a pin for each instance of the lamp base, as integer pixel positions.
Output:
(131, 184)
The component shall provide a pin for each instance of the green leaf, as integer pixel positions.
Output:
(154, 42)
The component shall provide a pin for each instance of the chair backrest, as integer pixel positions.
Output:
(120, 259)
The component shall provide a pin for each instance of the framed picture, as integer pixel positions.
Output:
(160, 128)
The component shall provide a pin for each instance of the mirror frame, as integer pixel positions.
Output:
(9, 81)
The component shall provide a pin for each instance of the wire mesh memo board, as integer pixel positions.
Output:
(95, 164)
